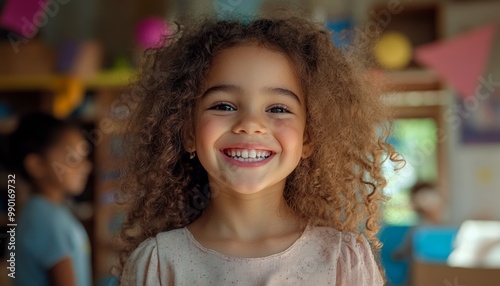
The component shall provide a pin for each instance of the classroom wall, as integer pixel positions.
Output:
(475, 181)
(474, 168)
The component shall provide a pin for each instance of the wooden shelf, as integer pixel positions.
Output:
(412, 80)
(109, 79)
(54, 82)
(50, 82)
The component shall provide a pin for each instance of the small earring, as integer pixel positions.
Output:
(192, 155)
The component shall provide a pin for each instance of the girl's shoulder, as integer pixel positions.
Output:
(38, 215)
(142, 265)
(336, 236)
(356, 264)
(153, 246)
(171, 238)
(346, 243)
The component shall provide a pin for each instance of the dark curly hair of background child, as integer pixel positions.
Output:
(254, 156)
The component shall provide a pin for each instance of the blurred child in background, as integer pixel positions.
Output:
(427, 202)
(52, 246)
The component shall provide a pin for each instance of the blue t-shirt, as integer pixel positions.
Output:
(46, 233)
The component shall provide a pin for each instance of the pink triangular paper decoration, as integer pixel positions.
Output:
(460, 60)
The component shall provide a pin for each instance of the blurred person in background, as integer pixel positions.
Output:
(52, 246)
(427, 202)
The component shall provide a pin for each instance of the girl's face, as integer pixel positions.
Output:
(250, 121)
(65, 166)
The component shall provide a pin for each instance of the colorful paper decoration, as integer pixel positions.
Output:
(68, 97)
(460, 60)
(82, 59)
(25, 17)
(150, 32)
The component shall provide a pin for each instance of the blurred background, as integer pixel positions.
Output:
(440, 61)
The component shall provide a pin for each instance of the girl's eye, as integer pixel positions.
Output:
(223, 106)
(279, 109)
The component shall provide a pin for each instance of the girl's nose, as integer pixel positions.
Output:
(250, 122)
(86, 166)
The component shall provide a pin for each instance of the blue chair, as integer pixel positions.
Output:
(392, 237)
(433, 244)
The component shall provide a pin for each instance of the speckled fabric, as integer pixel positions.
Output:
(320, 256)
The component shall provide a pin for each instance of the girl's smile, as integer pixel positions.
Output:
(251, 156)
(250, 120)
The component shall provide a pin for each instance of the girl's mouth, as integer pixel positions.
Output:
(247, 155)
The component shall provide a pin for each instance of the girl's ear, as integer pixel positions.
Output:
(34, 166)
(307, 146)
(188, 139)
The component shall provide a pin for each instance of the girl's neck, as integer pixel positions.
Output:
(50, 193)
(247, 217)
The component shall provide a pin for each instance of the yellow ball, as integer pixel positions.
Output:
(393, 50)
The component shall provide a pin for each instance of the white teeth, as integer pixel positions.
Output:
(252, 154)
(249, 155)
(248, 159)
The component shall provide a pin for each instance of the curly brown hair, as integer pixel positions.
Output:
(339, 185)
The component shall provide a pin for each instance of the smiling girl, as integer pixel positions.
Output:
(255, 159)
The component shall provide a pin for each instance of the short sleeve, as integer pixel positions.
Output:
(142, 266)
(54, 239)
(356, 264)
(59, 245)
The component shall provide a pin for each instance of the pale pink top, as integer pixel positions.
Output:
(320, 256)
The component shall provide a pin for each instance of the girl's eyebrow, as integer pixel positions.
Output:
(282, 91)
(231, 88)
